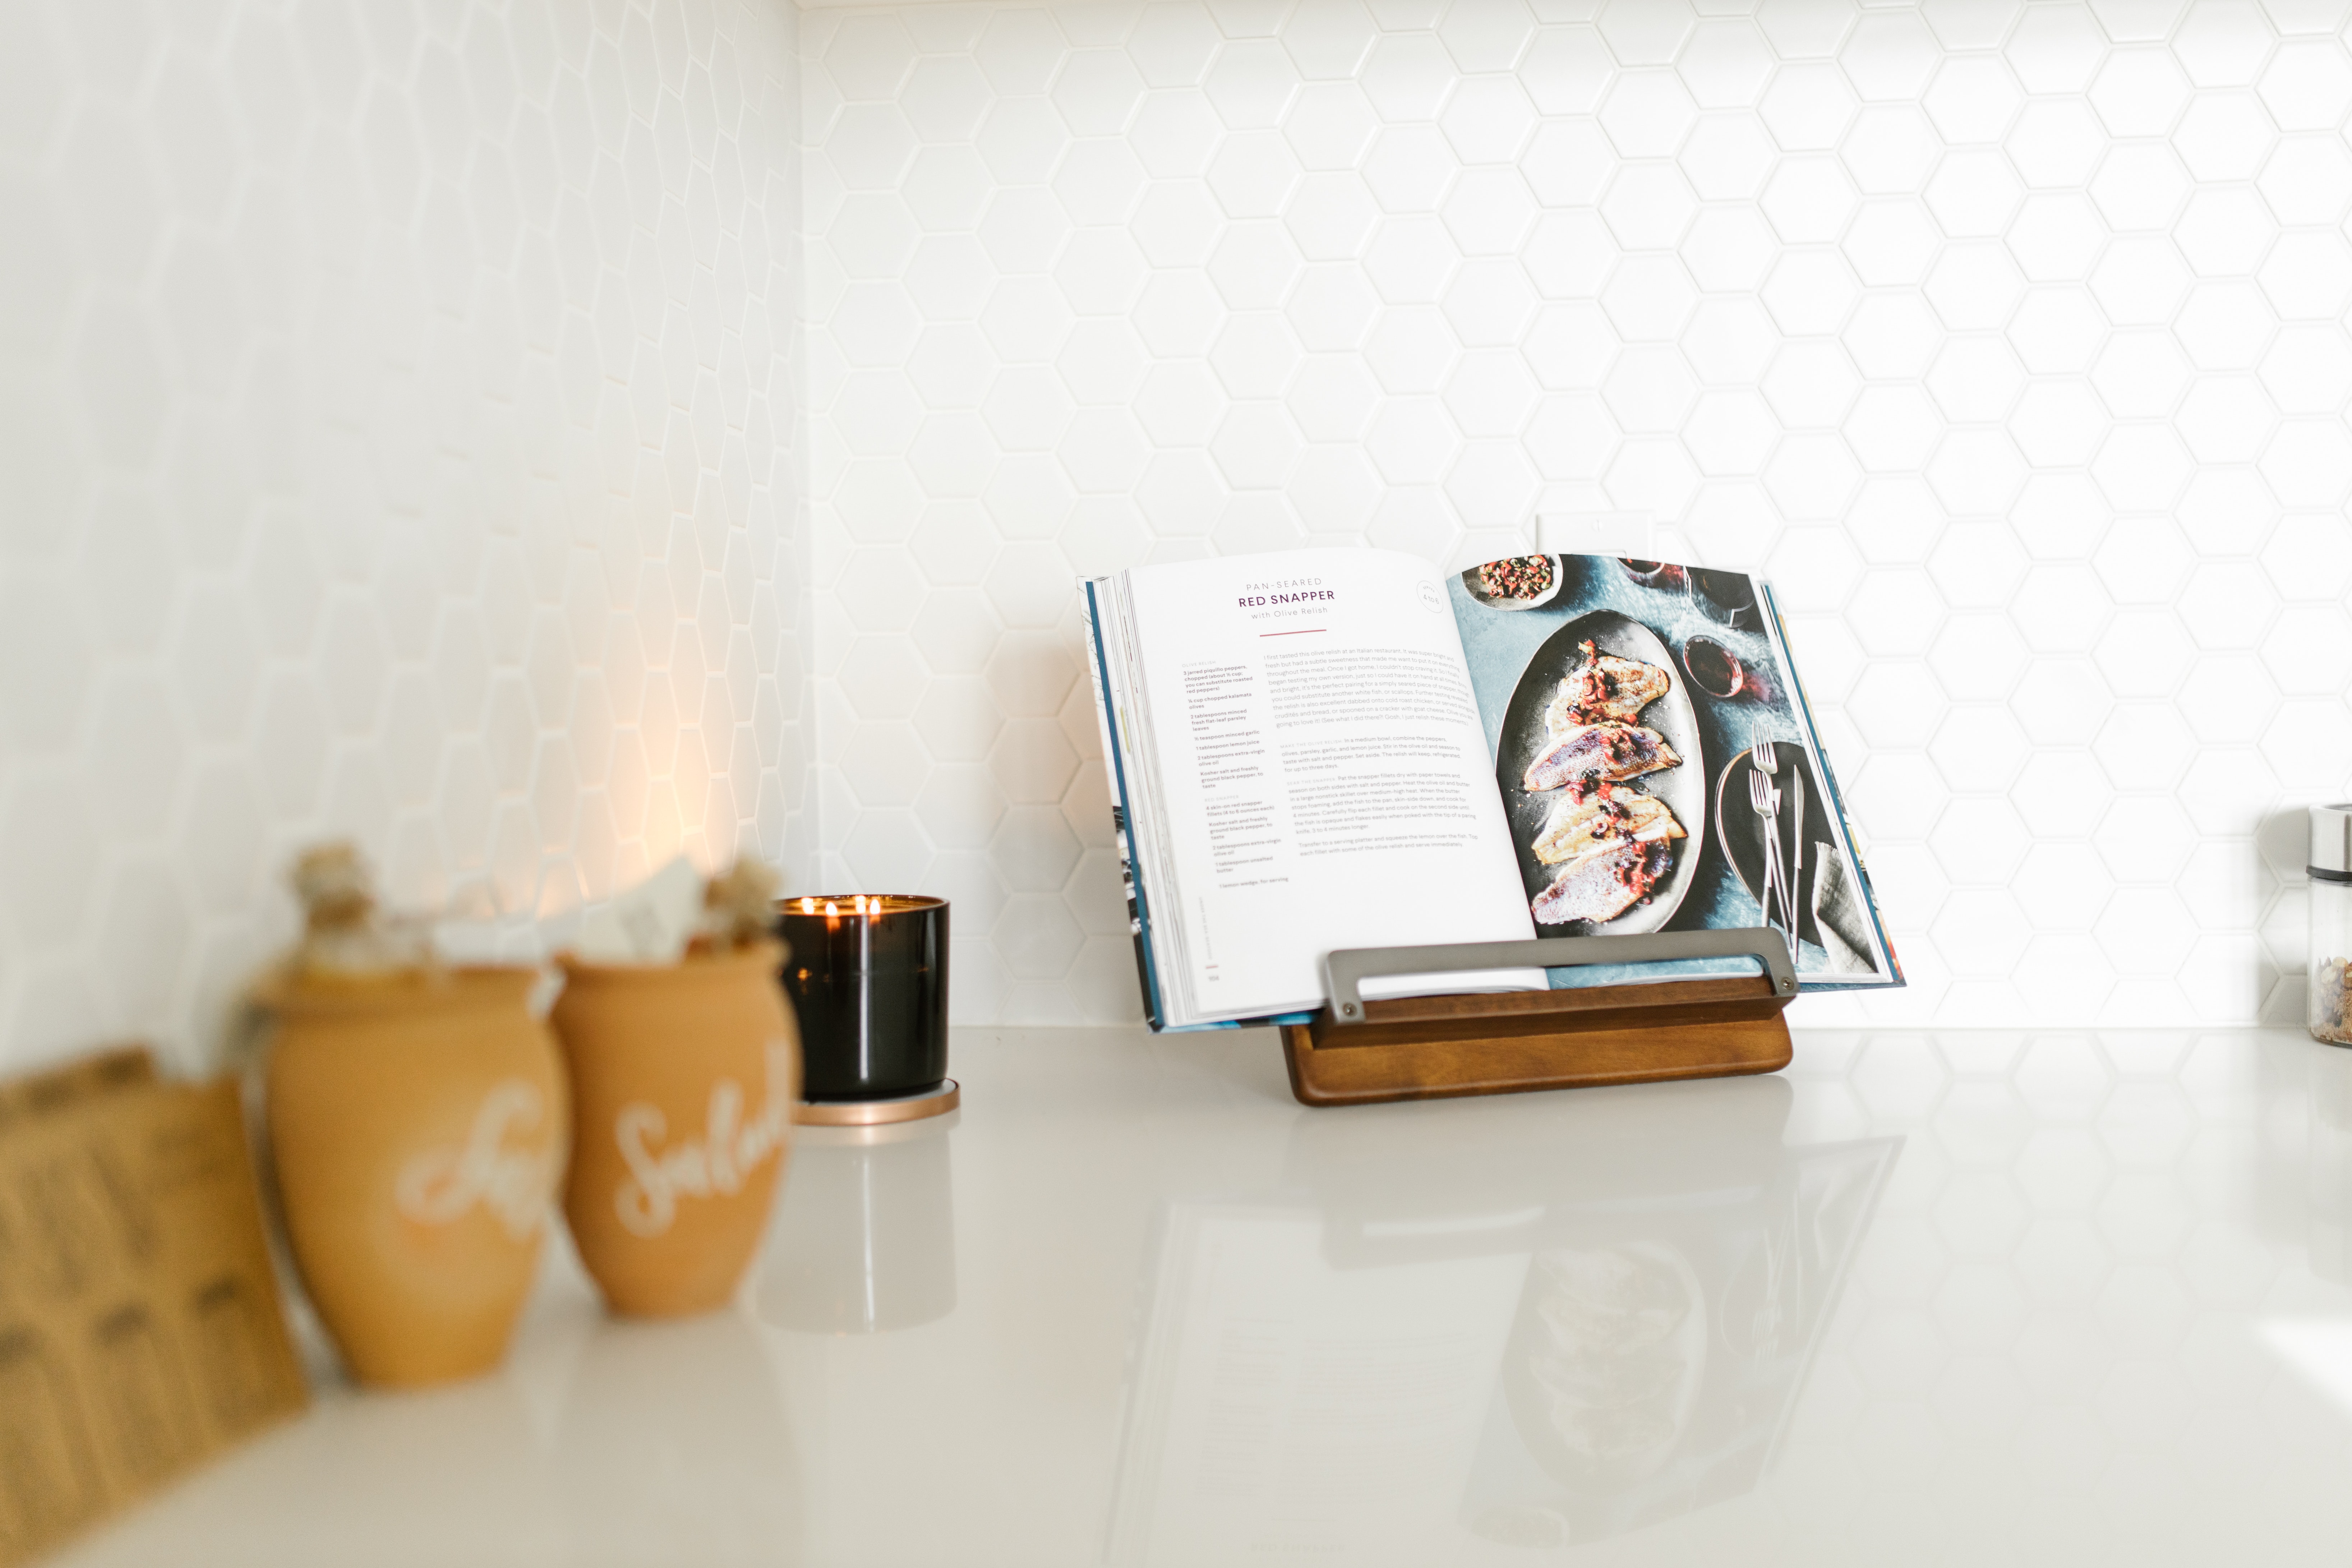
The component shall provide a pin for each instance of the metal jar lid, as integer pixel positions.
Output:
(2331, 843)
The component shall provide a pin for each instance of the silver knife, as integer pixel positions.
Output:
(1797, 833)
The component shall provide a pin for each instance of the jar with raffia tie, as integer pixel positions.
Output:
(417, 1123)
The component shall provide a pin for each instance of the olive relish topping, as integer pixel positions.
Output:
(1516, 576)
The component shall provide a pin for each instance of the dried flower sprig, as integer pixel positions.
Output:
(738, 905)
(345, 936)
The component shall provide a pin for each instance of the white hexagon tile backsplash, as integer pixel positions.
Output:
(2009, 337)
(540, 435)
(396, 439)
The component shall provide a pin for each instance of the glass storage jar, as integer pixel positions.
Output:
(2327, 1009)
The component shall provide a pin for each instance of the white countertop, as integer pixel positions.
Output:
(1923, 1297)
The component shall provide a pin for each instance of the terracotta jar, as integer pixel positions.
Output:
(417, 1127)
(685, 1077)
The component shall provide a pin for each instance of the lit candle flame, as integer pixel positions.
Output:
(831, 912)
(808, 905)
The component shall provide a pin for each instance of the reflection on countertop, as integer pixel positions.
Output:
(1967, 1298)
(600, 1442)
(867, 1243)
(675, 1433)
(1599, 1323)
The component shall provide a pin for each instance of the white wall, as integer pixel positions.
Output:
(394, 442)
(2010, 338)
(398, 437)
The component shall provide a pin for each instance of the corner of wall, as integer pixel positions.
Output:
(795, 849)
(401, 439)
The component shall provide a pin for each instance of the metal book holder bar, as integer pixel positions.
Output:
(1358, 1051)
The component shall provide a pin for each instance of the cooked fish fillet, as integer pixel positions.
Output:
(1626, 813)
(1604, 884)
(1604, 687)
(1611, 752)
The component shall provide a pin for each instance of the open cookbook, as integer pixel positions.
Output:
(1346, 748)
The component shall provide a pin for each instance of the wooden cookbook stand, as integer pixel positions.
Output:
(1355, 1051)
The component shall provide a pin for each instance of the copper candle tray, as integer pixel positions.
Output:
(1357, 1051)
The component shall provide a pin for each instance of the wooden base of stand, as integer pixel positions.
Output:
(1427, 1048)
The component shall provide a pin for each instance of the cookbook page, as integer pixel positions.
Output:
(1320, 771)
(1656, 763)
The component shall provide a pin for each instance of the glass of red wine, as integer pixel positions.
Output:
(1725, 597)
(1714, 668)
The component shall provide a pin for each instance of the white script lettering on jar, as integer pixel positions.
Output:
(716, 1165)
(441, 1185)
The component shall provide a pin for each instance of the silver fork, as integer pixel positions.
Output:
(1764, 799)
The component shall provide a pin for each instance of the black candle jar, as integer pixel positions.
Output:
(867, 975)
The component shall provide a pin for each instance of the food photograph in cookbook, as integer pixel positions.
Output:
(1651, 758)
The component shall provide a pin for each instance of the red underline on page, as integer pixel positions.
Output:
(1303, 632)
